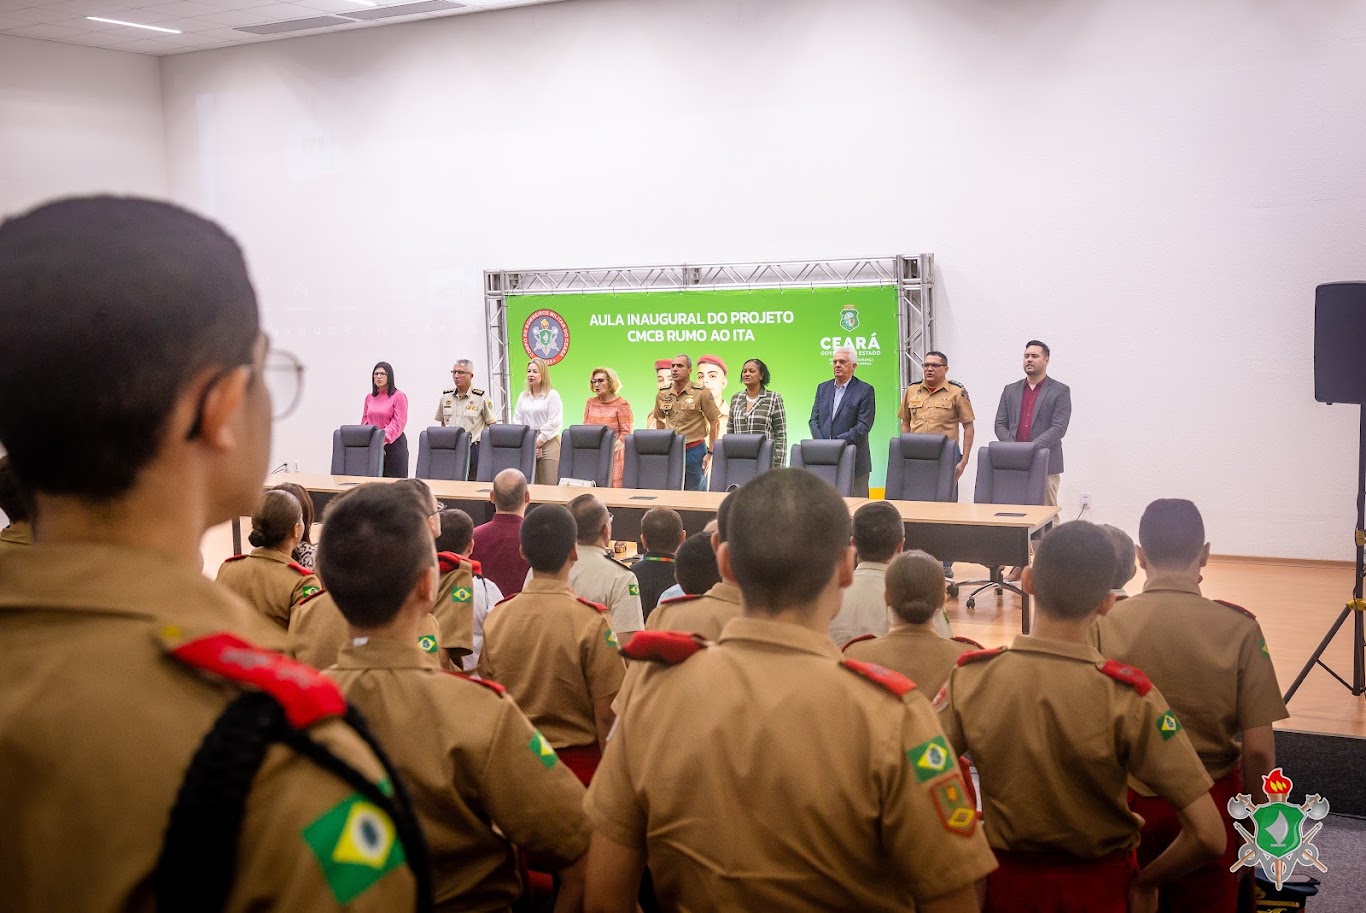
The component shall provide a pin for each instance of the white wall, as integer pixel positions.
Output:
(77, 120)
(1154, 189)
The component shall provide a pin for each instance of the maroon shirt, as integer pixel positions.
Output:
(497, 548)
(1025, 433)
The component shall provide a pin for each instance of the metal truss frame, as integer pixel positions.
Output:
(913, 276)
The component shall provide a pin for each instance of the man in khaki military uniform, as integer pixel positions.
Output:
(487, 782)
(1211, 662)
(15, 505)
(769, 713)
(598, 576)
(938, 405)
(689, 409)
(464, 407)
(1080, 725)
(914, 592)
(119, 656)
(555, 653)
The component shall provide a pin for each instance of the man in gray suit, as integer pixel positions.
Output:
(1037, 409)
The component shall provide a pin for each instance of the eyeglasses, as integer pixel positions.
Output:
(460, 371)
(598, 380)
(283, 374)
(932, 366)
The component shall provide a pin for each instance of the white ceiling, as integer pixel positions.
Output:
(205, 24)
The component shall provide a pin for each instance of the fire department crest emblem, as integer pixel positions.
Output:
(1283, 835)
(546, 335)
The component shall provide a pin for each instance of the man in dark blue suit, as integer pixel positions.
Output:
(844, 410)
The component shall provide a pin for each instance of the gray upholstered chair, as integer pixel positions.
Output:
(586, 453)
(358, 450)
(507, 447)
(1007, 473)
(443, 453)
(654, 459)
(737, 458)
(831, 460)
(920, 468)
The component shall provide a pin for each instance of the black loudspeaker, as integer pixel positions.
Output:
(1340, 342)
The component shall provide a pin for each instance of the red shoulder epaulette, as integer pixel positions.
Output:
(593, 605)
(969, 641)
(686, 597)
(894, 682)
(310, 597)
(491, 685)
(669, 647)
(303, 571)
(448, 561)
(859, 639)
(1129, 675)
(1236, 608)
(476, 568)
(973, 656)
(306, 695)
(235, 558)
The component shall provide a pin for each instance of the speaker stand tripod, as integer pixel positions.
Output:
(1356, 608)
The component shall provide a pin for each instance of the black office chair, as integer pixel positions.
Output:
(507, 447)
(920, 468)
(654, 459)
(586, 454)
(358, 450)
(831, 460)
(1007, 473)
(737, 458)
(443, 453)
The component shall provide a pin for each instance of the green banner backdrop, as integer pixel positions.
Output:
(794, 331)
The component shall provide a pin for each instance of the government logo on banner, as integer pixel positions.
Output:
(849, 318)
(1282, 835)
(546, 335)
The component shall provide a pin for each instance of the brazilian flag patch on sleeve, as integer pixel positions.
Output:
(611, 638)
(1168, 725)
(542, 750)
(356, 845)
(930, 759)
(633, 589)
(427, 642)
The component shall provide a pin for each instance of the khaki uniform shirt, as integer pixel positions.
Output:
(318, 632)
(99, 725)
(800, 791)
(454, 606)
(12, 538)
(475, 768)
(270, 581)
(556, 655)
(706, 614)
(473, 412)
(598, 577)
(916, 651)
(689, 413)
(863, 610)
(1209, 660)
(1054, 740)
(938, 411)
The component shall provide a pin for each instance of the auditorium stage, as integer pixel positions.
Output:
(1295, 603)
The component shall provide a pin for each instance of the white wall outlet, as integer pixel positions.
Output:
(294, 467)
(1085, 500)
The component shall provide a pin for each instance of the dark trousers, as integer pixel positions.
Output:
(861, 484)
(474, 462)
(692, 467)
(396, 458)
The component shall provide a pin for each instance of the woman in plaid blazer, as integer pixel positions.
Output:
(758, 410)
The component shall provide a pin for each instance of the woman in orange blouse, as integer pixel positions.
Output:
(606, 408)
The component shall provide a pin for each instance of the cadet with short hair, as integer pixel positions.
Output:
(485, 781)
(914, 591)
(878, 536)
(453, 606)
(17, 507)
(554, 651)
(661, 533)
(124, 667)
(269, 578)
(1055, 731)
(1125, 557)
(821, 752)
(1211, 662)
(598, 576)
(457, 538)
(702, 610)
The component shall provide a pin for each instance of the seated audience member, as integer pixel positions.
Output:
(269, 578)
(915, 594)
(136, 411)
(303, 552)
(694, 567)
(707, 611)
(878, 537)
(17, 508)
(1210, 660)
(1081, 726)
(661, 533)
(497, 543)
(843, 820)
(453, 607)
(317, 633)
(1126, 558)
(457, 538)
(461, 745)
(555, 652)
(598, 576)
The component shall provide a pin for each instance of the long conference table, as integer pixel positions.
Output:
(995, 535)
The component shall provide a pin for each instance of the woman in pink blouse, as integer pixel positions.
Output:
(387, 407)
(606, 408)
